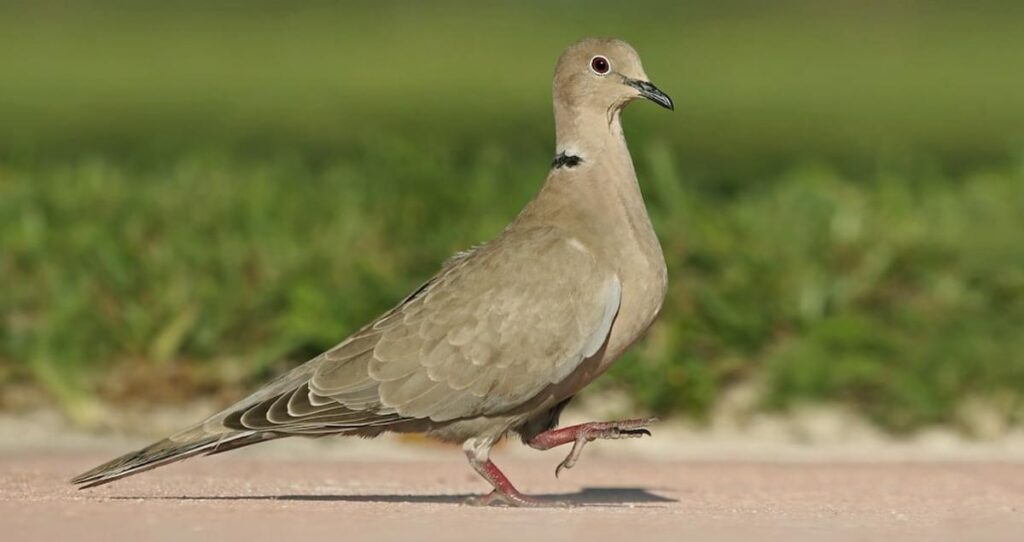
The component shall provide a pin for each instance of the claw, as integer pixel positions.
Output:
(573, 456)
(610, 431)
(517, 500)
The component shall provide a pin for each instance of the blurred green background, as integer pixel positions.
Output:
(195, 195)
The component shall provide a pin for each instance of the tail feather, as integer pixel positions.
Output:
(166, 451)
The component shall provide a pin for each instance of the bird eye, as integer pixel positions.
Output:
(600, 65)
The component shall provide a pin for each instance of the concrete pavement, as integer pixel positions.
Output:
(248, 498)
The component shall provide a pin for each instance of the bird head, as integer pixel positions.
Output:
(603, 74)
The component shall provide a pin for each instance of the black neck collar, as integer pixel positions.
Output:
(566, 160)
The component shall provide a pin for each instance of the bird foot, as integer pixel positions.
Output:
(588, 432)
(518, 500)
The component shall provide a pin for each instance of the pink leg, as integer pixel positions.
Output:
(583, 433)
(504, 492)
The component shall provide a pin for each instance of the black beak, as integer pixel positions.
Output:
(652, 93)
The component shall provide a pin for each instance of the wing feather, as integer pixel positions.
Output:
(487, 334)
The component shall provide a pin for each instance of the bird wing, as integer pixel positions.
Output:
(491, 331)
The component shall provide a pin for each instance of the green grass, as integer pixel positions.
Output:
(901, 296)
(194, 197)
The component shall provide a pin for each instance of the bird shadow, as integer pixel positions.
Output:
(588, 496)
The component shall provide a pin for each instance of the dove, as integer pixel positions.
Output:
(501, 339)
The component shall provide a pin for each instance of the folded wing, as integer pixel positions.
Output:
(490, 332)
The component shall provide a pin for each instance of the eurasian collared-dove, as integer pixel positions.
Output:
(504, 336)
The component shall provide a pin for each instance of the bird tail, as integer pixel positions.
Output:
(183, 445)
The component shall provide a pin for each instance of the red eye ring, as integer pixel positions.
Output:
(600, 65)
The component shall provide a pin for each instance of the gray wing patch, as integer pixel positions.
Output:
(597, 339)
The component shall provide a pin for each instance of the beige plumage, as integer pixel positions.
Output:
(505, 334)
